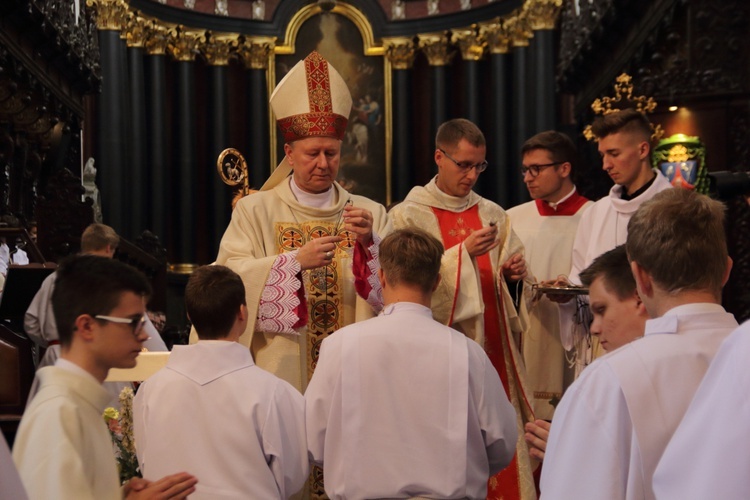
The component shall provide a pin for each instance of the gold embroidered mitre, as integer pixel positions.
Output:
(312, 100)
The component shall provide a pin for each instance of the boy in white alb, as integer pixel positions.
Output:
(547, 226)
(624, 139)
(401, 406)
(63, 448)
(238, 428)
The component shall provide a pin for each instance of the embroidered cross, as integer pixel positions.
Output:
(460, 231)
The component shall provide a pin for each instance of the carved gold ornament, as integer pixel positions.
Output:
(624, 99)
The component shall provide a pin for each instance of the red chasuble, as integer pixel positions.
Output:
(455, 228)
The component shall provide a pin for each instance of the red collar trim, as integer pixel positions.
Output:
(568, 207)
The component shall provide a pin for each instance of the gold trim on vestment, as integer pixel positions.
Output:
(323, 285)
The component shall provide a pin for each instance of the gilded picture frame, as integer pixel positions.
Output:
(344, 37)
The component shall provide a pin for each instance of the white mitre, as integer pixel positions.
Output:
(312, 100)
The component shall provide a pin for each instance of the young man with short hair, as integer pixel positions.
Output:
(618, 313)
(63, 448)
(615, 421)
(624, 143)
(401, 406)
(547, 226)
(212, 411)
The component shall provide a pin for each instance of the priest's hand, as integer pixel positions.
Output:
(514, 268)
(482, 240)
(537, 435)
(318, 252)
(175, 486)
(359, 222)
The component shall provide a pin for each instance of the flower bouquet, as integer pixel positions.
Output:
(120, 424)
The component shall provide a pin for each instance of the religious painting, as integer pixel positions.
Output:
(363, 167)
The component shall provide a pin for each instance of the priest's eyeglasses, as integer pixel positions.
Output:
(135, 323)
(465, 165)
(535, 169)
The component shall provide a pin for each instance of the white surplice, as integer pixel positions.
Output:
(603, 227)
(402, 406)
(237, 428)
(63, 449)
(614, 422)
(605, 224)
(708, 455)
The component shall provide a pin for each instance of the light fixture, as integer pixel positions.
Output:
(673, 108)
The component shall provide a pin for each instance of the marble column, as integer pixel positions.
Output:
(542, 16)
(255, 53)
(520, 130)
(136, 187)
(110, 155)
(182, 47)
(471, 45)
(498, 175)
(158, 192)
(216, 50)
(436, 47)
(400, 53)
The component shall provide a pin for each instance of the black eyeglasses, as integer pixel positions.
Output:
(535, 169)
(135, 323)
(466, 166)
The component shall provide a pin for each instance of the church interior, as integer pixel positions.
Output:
(121, 112)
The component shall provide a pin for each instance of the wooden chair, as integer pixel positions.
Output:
(16, 375)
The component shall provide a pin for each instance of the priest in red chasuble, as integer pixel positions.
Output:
(483, 255)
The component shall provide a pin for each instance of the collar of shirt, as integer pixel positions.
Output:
(569, 205)
(456, 203)
(669, 321)
(563, 200)
(627, 197)
(69, 366)
(406, 306)
(320, 200)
